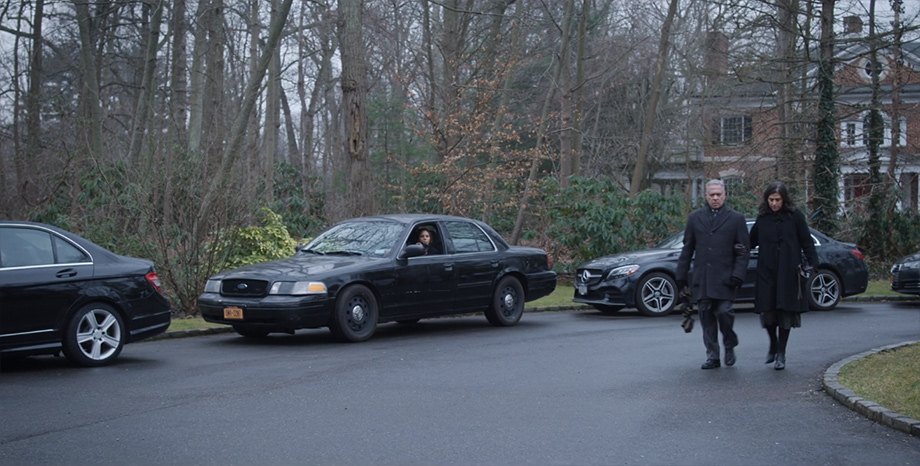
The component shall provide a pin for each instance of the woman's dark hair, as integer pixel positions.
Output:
(776, 187)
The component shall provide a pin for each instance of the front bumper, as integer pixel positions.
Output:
(615, 293)
(281, 313)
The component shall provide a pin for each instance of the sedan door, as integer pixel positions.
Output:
(477, 262)
(41, 277)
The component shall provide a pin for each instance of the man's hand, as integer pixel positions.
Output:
(735, 282)
(740, 249)
(683, 290)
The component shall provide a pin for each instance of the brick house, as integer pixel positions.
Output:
(738, 135)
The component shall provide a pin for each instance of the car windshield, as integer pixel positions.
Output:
(675, 241)
(357, 239)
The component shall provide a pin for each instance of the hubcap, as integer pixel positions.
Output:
(358, 313)
(657, 295)
(98, 334)
(509, 300)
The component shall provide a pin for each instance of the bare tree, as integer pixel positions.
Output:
(651, 110)
(358, 188)
(144, 106)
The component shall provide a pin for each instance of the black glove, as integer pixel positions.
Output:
(683, 291)
(740, 249)
(735, 282)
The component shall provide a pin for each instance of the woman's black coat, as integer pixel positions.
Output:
(782, 237)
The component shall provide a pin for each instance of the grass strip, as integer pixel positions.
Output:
(889, 378)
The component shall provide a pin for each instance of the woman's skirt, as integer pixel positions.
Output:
(782, 319)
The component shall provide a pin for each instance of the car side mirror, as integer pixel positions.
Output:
(412, 250)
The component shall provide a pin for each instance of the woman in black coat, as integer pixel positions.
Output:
(781, 295)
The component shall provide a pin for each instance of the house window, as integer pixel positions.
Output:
(855, 133)
(734, 130)
(849, 133)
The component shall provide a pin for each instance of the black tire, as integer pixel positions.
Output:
(94, 336)
(356, 314)
(250, 332)
(507, 303)
(656, 295)
(607, 309)
(824, 291)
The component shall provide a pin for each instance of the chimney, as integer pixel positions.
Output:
(852, 25)
(716, 53)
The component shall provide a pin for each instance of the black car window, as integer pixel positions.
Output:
(68, 253)
(467, 237)
(357, 238)
(25, 246)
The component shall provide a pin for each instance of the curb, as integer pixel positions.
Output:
(868, 408)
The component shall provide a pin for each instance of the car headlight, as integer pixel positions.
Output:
(910, 265)
(623, 271)
(298, 288)
(212, 286)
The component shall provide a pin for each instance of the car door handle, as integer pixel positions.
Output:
(494, 264)
(449, 267)
(66, 273)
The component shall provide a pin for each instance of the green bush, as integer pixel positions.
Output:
(595, 217)
(268, 241)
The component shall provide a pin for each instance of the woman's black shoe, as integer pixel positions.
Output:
(780, 361)
(770, 358)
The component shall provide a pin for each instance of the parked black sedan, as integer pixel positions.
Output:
(61, 292)
(905, 275)
(370, 270)
(645, 279)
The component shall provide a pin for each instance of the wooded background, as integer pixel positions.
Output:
(153, 127)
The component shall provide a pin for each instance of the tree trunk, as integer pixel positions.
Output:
(232, 151)
(148, 86)
(651, 111)
(787, 169)
(540, 140)
(354, 102)
(827, 159)
(874, 234)
(198, 81)
(272, 118)
(567, 88)
(178, 104)
(89, 89)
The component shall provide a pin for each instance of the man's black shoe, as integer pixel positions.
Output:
(729, 356)
(711, 364)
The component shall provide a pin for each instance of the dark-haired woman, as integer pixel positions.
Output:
(780, 296)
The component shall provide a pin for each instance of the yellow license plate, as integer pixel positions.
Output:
(233, 312)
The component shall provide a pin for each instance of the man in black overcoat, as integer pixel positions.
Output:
(718, 269)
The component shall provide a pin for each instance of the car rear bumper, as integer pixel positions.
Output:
(540, 285)
(149, 325)
(281, 313)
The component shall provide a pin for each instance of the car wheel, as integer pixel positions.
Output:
(250, 332)
(507, 303)
(824, 290)
(607, 309)
(94, 336)
(656, 295)
(356, 314)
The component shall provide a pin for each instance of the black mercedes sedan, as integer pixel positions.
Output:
(61, 292)
(371, 270)
(645, 279)
(905, 275)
